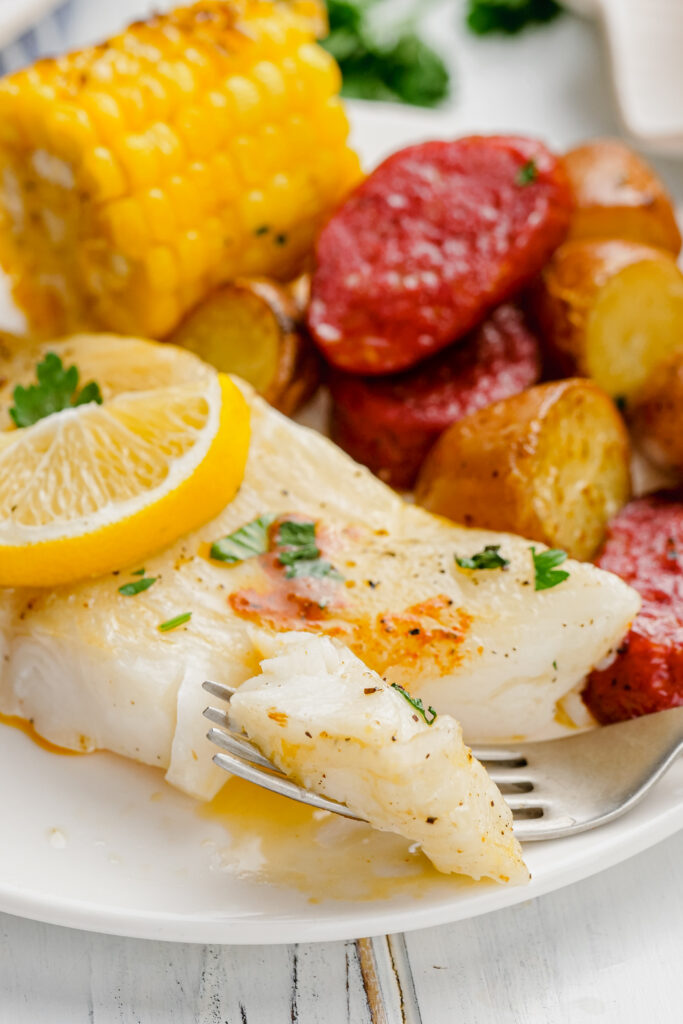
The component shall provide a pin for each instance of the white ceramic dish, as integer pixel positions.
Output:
(100, 843)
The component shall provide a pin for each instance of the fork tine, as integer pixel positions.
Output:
(278, 784)
(219, 690)
(493, 754)
(509, 776)
(241, 748)
(523, 801)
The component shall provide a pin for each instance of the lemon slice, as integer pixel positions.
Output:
(95, 488)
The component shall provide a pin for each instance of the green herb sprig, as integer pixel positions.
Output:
(527, 173)
(402, 68)
(429, 714)
(137, 586)
(249, 540)
(300, 553)
(488, 558)
(56, 389)
(177, 620)
(509, 16)
(545, 563)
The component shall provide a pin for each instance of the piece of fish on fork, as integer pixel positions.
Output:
(554, 788)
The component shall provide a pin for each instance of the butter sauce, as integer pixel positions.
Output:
(277, 841)
(23, 725)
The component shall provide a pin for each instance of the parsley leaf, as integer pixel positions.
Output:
(300, 552)
(509, 16)
(547, 575)
(402, 69)
(416, 702)
(56, 389)
(137, 586)
(527, 173)
(486, 559)
(316, 567)
(251, 539)
(178, 620)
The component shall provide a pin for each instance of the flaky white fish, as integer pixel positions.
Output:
(91, 669)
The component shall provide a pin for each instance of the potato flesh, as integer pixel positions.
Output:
(635, 324)
(236, 332)
(582, 474)
(551, 464)
(657, 415)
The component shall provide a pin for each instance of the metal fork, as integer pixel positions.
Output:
(554, 787)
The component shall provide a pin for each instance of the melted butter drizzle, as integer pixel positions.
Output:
(23, 725)
(273, 840)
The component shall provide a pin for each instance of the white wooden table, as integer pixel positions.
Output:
(608, 949)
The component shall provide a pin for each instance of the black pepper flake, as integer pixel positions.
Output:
(307, 733)
(371, 689)
(414, 632)
(430, 820)
(372, 583)
(263, 229)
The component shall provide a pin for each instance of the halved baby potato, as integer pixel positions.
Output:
(253, 328)
(551, 464)
(618, 195)
(656, 415)
(611, 310)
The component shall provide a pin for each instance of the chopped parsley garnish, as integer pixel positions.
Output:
(621, 403)
(137, 586)
(545, 567)
(489, 558)
(527, 173)
(555, 665)
(178, 620)
(138, 572)
(300, 553)
(391, 63)
(56, 389)
(251, 539)
(429, 714)
(509, 16)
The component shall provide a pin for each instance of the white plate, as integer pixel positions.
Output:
(100, 843)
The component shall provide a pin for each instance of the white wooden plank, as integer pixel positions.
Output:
(607, 949)
(52, 975)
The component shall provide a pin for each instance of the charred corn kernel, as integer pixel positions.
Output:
(197, 145)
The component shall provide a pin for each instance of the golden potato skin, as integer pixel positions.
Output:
(656, 415)
(618, 195)
(551, 464)
(588, 336)
(254, 328)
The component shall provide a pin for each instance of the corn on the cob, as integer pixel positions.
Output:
(195, 146)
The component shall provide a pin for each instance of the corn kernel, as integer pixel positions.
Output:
(244, 99)
(160, 215)
(127, 227)
(103, 174)
(161, 269)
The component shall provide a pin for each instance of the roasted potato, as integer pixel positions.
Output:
(253, 328)
(551, 464)
(611, 310)
(618, 195)
(656, 414)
